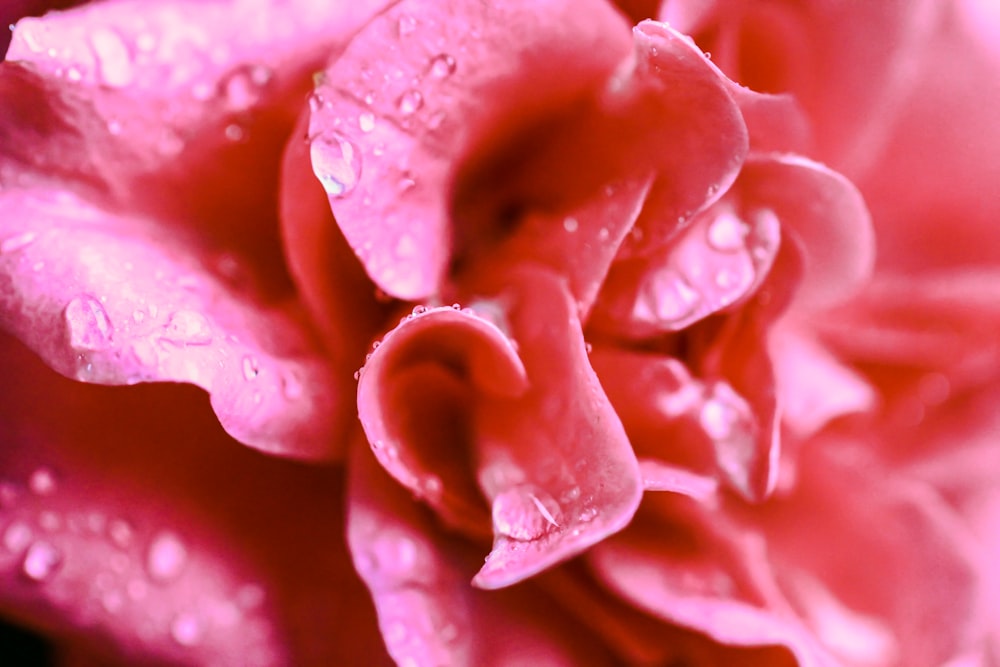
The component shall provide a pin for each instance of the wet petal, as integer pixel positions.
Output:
(134, 524)
(112, 299)
(394, 114)
(418, 578)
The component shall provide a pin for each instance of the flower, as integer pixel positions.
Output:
(615, 323)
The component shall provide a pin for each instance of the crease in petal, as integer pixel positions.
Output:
(109, 299)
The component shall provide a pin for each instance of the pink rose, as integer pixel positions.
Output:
(513, 280)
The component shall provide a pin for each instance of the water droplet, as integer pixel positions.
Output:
(166, 557)
(9, 494)
(114, 127)
(419, 310)
(336, 161)
(250, 368)
(41, 561)
(409, 102)
(121, 533)
(17, 242)
(442, 66)
(588, 514)
(406, 25)
(186, 327)
(525, 513)
(17, 536)
(366, 121)
(186, 629)
(49, 521)
(245, 86)
(727, 233)
(603, 234)
(112, 601)
(43, 481)
(291, 386)
(406, 246)
(571, 224)
(234, 132)
(88, 324)
(113, 58)
(666, 298)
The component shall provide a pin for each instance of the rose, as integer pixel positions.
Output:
(409, 564)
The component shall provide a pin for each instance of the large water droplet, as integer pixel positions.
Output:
(409, 102)
(336, 161)
(43, 481)
(525, 513)
(666, 298)
(17, 242)
(17, 536)
(113, 58)
(727, 232)
(727, 419)
(88, 324)
(366, 121)
(250, 368)
(571, 224)
(187, 327)
(167, 557)
(245, 86)
(186, 629)
(41, 561)
(442, 66)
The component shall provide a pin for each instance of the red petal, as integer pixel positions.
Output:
(117, 300)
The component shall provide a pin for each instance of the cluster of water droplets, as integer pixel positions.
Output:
(122, 567)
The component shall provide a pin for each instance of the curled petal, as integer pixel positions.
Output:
(111, 299)
(396, 112)
(418, 578)
(446, 398)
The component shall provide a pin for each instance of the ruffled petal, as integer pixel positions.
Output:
(418, 577)
(529, 431)
(395, 114)
(115, 299)
(133, 527)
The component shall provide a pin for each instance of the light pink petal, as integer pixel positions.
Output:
(919, 563)
(683, 572)
(826, 215)
(660, 476)
(116, 299)
(813, 387)
(397, 112)
(418, 577)
(133, 528)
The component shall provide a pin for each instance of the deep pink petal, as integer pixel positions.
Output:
(418, 577)
(397, 112)
(114, 299)
(132, 525)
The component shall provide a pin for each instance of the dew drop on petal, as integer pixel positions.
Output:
(442, 66)
(121, 533)
(406, 25)
(336, 161)
(17, 242)
(43, 482)
(250, 368)
(727, 233)
(525, 513)
(666, 297)
(187, 327)
(166, 557)
(41, 561)
(186, 629)
(571, 224)
(410, 102)
(17, 536)
(113, 57)
(244, 87)
(366, 121)
(87, 323)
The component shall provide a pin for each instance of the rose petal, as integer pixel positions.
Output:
(396, 111)
(681, 571)
(115, 300)
(134, 526)
(414, 395)
(418, 578)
